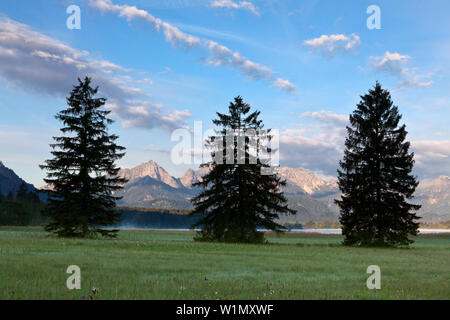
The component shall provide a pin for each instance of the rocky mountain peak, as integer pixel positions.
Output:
(191, 176)
(152, 170)
(188, 178)
(302, 178)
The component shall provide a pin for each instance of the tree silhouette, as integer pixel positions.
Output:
(375, 176)
(237, 198)
(82, 172)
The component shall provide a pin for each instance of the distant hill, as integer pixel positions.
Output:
(308, 209)
(148, 192)
(10, 181)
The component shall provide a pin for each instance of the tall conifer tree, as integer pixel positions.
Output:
(237, 198)
(375, 176)
(82, 172)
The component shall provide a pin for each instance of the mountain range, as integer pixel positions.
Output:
(151, 186)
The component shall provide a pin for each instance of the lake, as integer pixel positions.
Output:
(320, 231)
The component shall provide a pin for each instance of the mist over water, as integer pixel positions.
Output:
(319, 231)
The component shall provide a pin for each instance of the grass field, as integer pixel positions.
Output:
(170, 265)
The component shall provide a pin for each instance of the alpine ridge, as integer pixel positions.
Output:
(152, 186)
(10, 181)
(152, 170)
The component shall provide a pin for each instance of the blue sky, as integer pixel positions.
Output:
(165, 64)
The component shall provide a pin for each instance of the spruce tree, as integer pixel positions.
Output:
(236, 198)
(82, 172)
(375, 176)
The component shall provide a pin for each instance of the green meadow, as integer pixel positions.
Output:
(170, 265)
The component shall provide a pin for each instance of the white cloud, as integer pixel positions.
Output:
(323, 151)
(411, 83)
(220, 54)
(246, 5)
(37, 62)
(334, 43)
(396, 65)
(284, 84)
(143, 114)
(31, 60)
(319, 147)
(111, 66)
(432, 157)
(171, 33)
(319, 152)
(393, 63)
(224, 56)
(327, 117)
